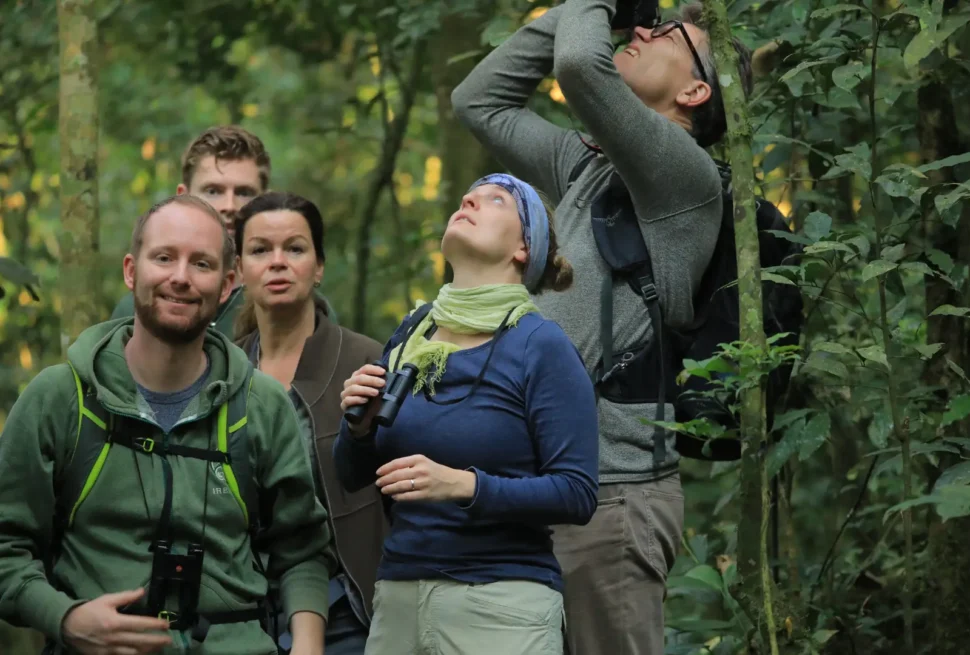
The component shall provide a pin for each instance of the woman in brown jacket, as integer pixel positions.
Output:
(285, 329)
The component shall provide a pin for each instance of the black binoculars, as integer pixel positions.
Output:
(636, 13)
(398, 386)
(174, 570)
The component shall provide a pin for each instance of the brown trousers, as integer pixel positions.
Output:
(615, 568)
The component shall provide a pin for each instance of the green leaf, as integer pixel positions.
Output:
(955, 502)
(917, 267)
(779, 155)
(789, 236)
(782, 421)
(706, 574)
(950, 310)
(875, 354)
(893, 253)
(831, 347)
(828, 12)
(777, 279)
(948, 204)
(805, 65)
(855, 160)
(861, 245)
(895, 187)
(931, 37)
(818, 225)
(927, 351)
(958, 409)
(957, 474)
(848, 76)
(820, 637)
(946, 162)
(11, 269)
(876, 268)
(879, 428)
(828, 365)
(825, 246)
(911, 503)
(815, 434)
(953, 366)
(498, 30)
(941, 260)
(895, 315)
(919, 48)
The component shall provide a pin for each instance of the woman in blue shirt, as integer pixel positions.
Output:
(497, 442)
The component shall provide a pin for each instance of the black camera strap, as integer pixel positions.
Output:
(499, 333)
(120, 432)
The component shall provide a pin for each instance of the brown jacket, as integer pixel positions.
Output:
(330, 355)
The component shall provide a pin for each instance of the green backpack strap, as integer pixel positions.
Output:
(91, 447)
(234, 441)
(75, 481)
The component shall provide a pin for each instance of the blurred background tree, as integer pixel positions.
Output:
(860, 118)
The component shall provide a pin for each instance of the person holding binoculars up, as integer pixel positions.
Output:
(486, 436)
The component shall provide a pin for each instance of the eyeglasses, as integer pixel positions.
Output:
(665, 28)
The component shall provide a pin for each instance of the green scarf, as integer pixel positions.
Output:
(477, 310)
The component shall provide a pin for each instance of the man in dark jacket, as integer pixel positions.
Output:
(649, 110)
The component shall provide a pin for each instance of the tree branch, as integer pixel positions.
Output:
(382, 177)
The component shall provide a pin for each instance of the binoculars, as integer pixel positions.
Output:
(399, 385)
(184, 572)
(636, 13)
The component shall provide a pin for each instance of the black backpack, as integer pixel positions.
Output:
(649, 371)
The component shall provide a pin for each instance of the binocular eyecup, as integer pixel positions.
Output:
(398, 386)
(635, 13)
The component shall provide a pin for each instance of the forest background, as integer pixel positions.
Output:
(859, 135)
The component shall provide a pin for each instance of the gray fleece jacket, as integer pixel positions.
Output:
(674, 184)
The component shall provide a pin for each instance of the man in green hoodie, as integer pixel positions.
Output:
(162, 499)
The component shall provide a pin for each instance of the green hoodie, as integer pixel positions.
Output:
(106, 549)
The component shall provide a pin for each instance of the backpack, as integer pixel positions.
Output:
(648, 372)
(99, 431)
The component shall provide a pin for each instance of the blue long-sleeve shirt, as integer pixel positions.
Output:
(529, 432)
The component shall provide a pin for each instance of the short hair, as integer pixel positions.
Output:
(282, 201)
(228, 142)
(709, 121)
(186, 200)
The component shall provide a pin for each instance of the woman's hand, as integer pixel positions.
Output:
(418, 478)
(359, 389)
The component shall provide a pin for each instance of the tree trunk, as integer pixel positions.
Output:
(947, 582)
(463, 158)
(80, 282)
(753, 567)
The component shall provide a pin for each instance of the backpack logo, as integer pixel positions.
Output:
(216, 468)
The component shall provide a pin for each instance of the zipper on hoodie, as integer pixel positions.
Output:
(326, 500)
(225, 307)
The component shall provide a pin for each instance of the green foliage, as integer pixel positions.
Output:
(860, 137)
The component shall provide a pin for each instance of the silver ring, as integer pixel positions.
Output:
(412, 484)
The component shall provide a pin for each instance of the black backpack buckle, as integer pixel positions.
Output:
(648, 289)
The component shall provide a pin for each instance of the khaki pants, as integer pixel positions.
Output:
(436, 617)
(615, 568)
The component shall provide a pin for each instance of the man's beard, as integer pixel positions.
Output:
(175, 335)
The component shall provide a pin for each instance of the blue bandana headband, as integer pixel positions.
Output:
(535, 223)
